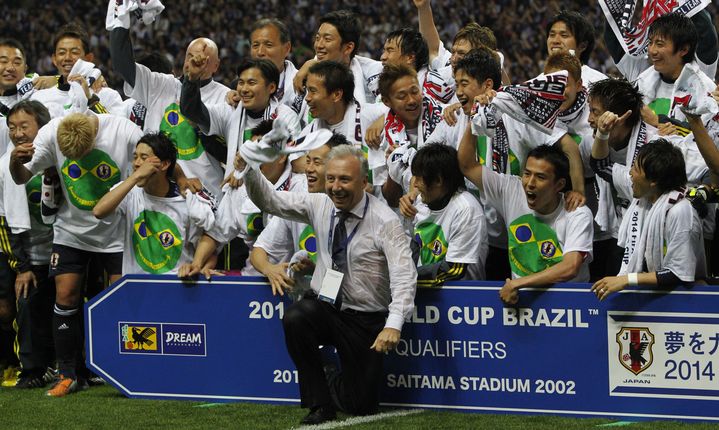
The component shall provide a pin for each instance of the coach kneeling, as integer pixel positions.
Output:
(363, 285)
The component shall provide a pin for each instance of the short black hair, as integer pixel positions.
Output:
(347, 24)
(680, 30)
(32, 107)
(273, 22)
(435, 161)
(14, 43)
(618, 96)
(481, 64)
(581, 28)
(337, 76)
(557, 158)
(337, 140)
(156, 62)
(411, 42)
(75, 31)
(266, 67)
(662, 163)
(261, 129)
(162, 147)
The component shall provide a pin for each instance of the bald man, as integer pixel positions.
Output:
(197, 154)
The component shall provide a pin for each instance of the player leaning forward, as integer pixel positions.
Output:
(92, 154)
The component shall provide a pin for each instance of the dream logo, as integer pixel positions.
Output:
(139, 338)
(184, 339)
(635, 348)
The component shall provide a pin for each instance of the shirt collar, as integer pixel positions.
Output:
(358, 210)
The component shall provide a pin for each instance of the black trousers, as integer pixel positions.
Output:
(497, 265)
(607, 259)
(310, 323)
(34, 321)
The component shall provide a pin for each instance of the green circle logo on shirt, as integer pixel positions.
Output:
(431, 241)
(255, 224)
(533, 246)
(156, 241)
(308, 242)
(182, 133)
(89, 178)
(33, 189)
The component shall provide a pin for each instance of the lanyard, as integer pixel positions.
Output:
(354, 230)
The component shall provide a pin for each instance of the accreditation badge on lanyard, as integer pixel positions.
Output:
(332, 282)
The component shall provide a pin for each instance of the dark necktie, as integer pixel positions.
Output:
(339, 250)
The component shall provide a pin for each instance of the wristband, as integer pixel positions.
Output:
(602, 136)
(633, 278)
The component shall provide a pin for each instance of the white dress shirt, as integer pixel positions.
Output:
(380, 274)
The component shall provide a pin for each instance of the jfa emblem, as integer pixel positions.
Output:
(635, 348)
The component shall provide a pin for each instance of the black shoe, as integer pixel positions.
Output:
(319, 415)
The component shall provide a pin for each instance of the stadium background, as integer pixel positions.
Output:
(519, 26)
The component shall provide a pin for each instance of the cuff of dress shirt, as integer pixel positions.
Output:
(394, 321)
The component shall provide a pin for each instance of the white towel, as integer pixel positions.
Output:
(399, 163)
(691, 94)
(642, 232)
(277, 142)
(14, 197)
(119, 12)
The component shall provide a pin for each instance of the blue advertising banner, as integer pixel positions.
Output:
(640, 354)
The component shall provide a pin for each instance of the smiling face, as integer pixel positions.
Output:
(405, 99)
(67, 51)
(254, 90)
(23, 127)
(265, 43)
(561, 39)
(344, 183)
(12, 67)
(328, 45)
(321, 103)
(541, 187)
(315, 169)
(460, 48)
(596, 109)
(468, 88)
(664, 59)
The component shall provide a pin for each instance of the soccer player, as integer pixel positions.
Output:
(257, 83)
(411, 119)
(661, 233)
(161, 225)
(704, 54)
(570, 32)
(450, 232)
(92, 153)
(160, 93)
(337, 39)
(70, 44)
(26, 246)
(331, 105)
(673, 42)
(13, 67)
(546, 243)
(469, 37)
